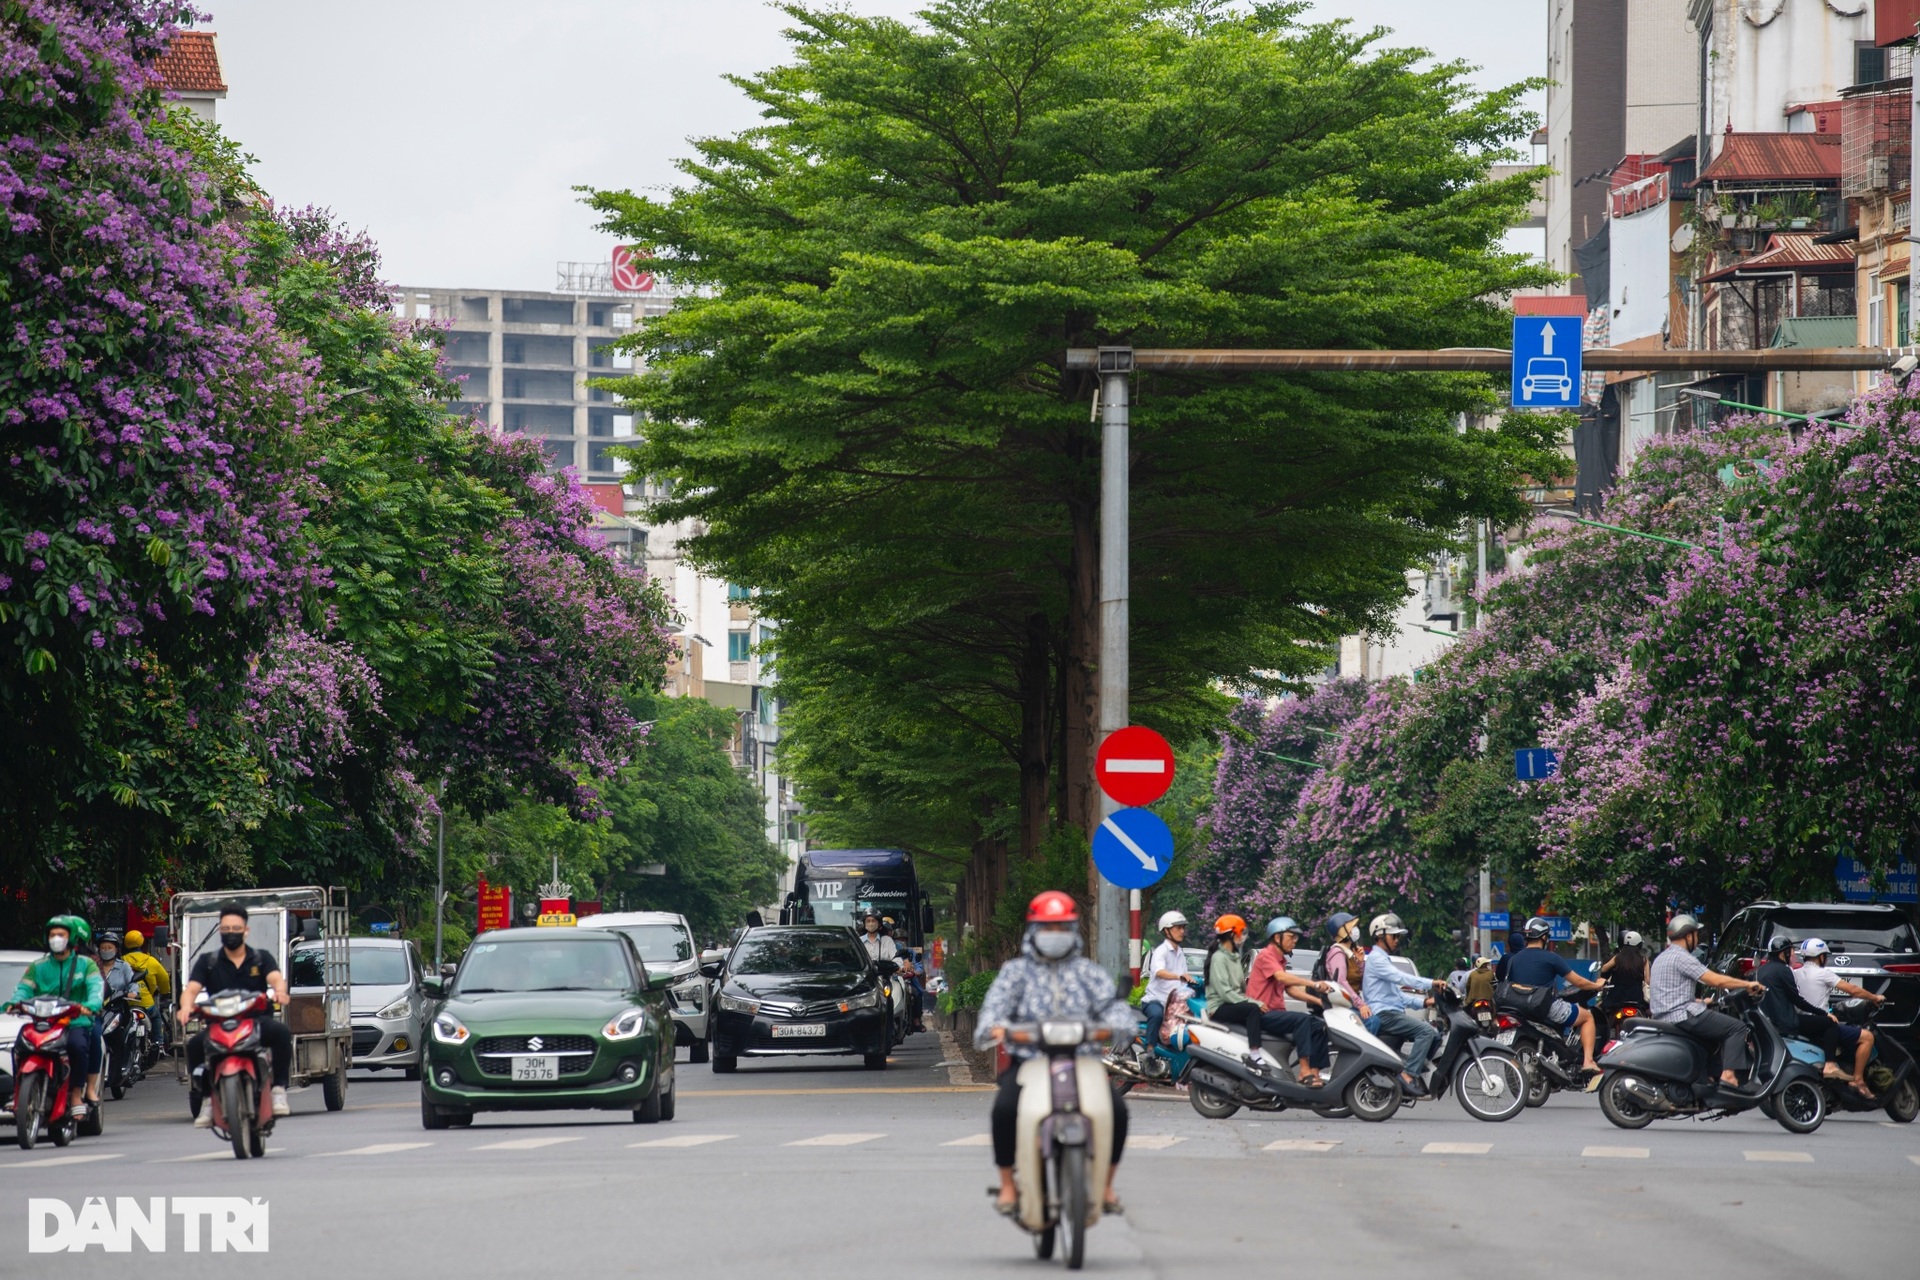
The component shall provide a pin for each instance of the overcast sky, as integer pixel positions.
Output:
(455, 130)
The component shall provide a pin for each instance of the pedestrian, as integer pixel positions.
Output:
(1386, 989)
(1670, 997)
(1270, 980)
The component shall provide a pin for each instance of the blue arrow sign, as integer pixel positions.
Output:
(1546, 362)
(1530, 764)
(1132, 848)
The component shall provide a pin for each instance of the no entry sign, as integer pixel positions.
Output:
(1134, 765)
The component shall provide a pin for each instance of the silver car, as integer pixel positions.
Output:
(388, 1008)
(12, 965)
(666, 946)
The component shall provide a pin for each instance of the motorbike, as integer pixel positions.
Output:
(1656, 1070)
(1550, 1054)
(1065, 1139)
(1362, 1079)
(1161, 1063)
(1484, 1075)
(123, 1040)
(45, 1084)
(238, 1069)
(1890, 1069)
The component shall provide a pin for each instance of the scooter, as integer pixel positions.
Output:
(1656, 1070)
(1550, 1054)
(1363, 1078)
(1484, 1075)
(1064, 1140)
(1162, 1062)
(123, 1039)
(237, 1069)
(1890, 1069)
(44, 1080)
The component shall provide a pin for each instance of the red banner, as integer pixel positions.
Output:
(496, 907)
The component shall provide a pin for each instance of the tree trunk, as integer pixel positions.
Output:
(1036, 737)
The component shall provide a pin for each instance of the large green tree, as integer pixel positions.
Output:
(865, 400)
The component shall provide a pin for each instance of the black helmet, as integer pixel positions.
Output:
(109, 935)
(1538, 928)
(1777, 943)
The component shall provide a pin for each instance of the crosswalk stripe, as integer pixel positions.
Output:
(1302, 1144)
(685, 1140)
(1778, 1157)
(1456, 1148)
(524, 1144)
(56, 1161)
(377, 1149)
(1616, 1153)
(1153, 1141)
(971, 1140)
(836, 1140)
(1915, 1159)
(209, 1155)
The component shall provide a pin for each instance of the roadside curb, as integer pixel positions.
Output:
(959, 1070)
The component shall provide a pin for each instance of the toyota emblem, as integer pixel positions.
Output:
(1842, 960)
(536, 1044)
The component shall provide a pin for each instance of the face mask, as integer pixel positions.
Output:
(57, 945)
(232, 941)
(1054, 943)
(107, 957)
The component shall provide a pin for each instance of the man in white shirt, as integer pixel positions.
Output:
(879, 945)
(1166, 976)
(1817, 984)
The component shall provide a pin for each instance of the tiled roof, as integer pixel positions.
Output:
(1792, 251)
(191, 64)
(1817, 331)
(1776, 157)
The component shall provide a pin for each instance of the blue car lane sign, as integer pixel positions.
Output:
(1132, 848)
(1546, 362)
(1530, 764)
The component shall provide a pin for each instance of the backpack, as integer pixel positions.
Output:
(1320, 973)
(1533, 1003)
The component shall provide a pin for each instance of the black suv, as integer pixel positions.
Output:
(1874, 945)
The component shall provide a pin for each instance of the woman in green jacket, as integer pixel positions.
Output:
(1227, 984)
(66, 973)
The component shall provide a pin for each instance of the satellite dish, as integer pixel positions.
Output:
(1682, 238)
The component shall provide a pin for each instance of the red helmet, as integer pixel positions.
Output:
(1052, 907)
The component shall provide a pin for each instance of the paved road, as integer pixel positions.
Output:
(815, 1168)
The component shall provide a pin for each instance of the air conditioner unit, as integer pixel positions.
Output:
(1442, 604)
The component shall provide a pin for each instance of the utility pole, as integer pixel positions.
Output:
(1110, 906)
(440, 880)
(1479, 621)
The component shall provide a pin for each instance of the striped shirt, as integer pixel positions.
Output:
(1670, 984)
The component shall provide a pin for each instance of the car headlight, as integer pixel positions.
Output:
(735, 1004)
(625, 1027)
(688, 994)
(867, 1001)
(398, 1009)
(448, 1029)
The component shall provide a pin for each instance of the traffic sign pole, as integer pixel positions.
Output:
(1116, 368)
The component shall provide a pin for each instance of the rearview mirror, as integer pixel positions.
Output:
(887, 967)
(659, 981)
(434, 988)
(711, 969)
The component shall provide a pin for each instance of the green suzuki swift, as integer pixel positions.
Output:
(548, 1020)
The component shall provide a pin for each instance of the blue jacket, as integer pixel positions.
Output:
(1382, 983)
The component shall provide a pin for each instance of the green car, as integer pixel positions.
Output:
(547, 1020)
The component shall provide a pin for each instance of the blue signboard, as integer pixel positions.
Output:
(1546, 362)
(1530, 764)
(1856, 882)
(1496, 920)
(380, 926)
(1133, 848)
(1562, 928)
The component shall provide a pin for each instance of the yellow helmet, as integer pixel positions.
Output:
(135, 939)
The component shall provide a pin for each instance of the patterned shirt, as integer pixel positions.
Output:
(1029, 989)
(1670, 984)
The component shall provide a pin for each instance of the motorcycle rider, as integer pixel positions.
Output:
(1788, 1010)
(1227, 985)
(1536, 965)
(119, 979)
(1345, 962)
(1268, 983)
(1050, 978)
(1386, 987)
(1166, 977)
(238, 967)
(66, 973)
(1817, 983)
(155, 985)
(1670, 986)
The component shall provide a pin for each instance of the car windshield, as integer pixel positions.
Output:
(573, 964)
(1853, 936)
(799, 953)
(377, 966)
(307, 966)
(10, 971)
(660, 943)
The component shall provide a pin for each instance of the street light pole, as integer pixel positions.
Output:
(1110, 907)
(440, 880)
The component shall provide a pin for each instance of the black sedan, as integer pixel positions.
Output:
(792, 990)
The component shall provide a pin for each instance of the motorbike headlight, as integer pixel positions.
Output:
(867, 1001)
(398, 1009)
(448, 1029)
(738, 1004)
(625, 1027)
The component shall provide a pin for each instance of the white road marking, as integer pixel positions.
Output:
(56, 1161)
(1456, 1148)
(1153, 1141)
(836, 1140)
(377, 1149)
(1616, 1153)
(685, 1140)
(1915, 1159)
(1302, 1144)
(1778, 1157)
(524, 1144)
(971, 1140)
(209, 1155)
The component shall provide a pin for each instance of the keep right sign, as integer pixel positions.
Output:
(1134, 766)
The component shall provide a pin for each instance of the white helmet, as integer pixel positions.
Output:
(1384, 924)
(1171, 920)
(1811, 947)
(1631, 939)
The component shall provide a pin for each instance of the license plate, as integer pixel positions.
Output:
(1505, 1037)
(800, 1029)
(536, 1068)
